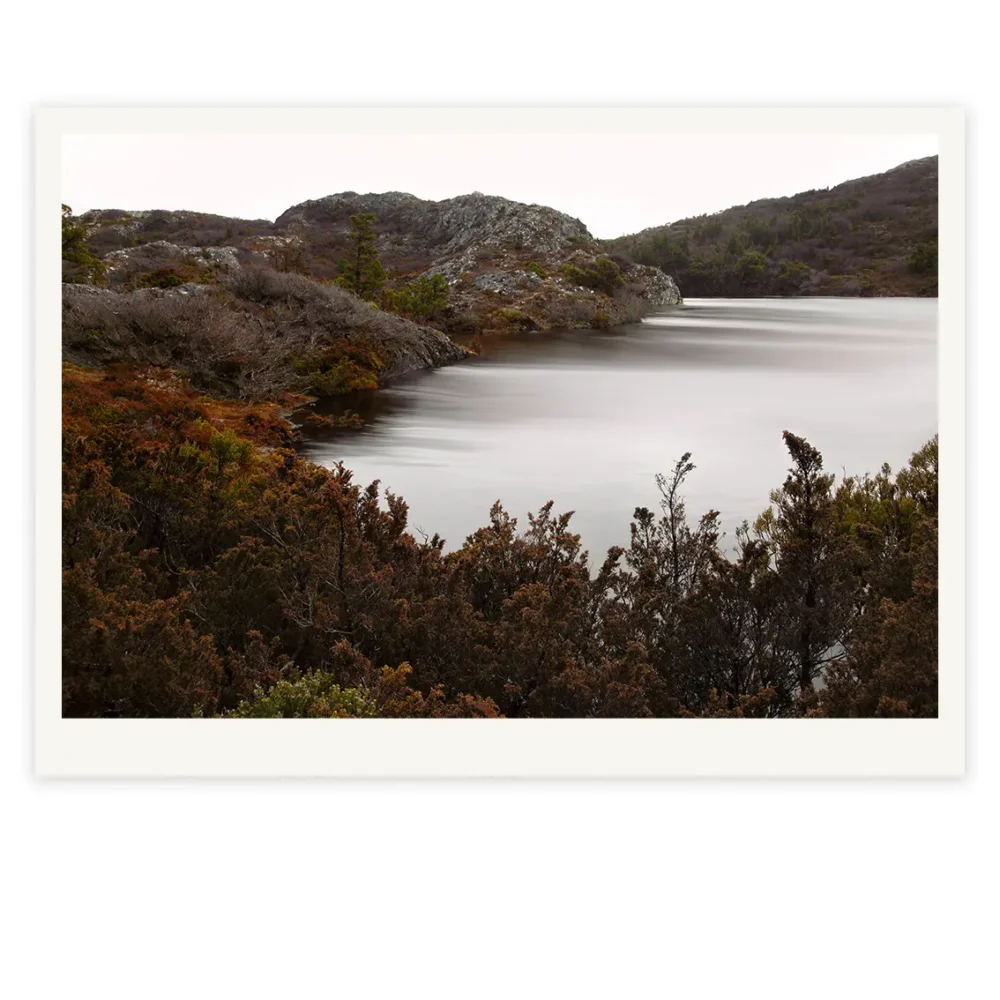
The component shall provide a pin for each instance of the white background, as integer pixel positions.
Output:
(468, 889)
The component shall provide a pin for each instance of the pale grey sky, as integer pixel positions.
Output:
(615, 184)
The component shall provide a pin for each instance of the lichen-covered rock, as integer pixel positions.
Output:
(432, 349)
(659, 289)
(506, 282)
(188, 262)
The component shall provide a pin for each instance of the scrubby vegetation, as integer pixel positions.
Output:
(424, 298)
(872, 236)
(117, 229)
(923, 258)
(602, 275)
(255, 334)
(209, 570)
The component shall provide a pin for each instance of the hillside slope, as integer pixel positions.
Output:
(508, 265)
(254, 334)
(874, 235)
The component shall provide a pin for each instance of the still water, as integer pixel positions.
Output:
(587, 418)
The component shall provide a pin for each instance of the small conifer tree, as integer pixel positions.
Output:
(360, 270)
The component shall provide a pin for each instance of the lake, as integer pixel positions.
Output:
(587, 418)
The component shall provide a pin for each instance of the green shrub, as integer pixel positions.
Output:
(423, 298)
(228, 448)
(80, 266)
(792, 275)
(311, 695)
(602, 274)
(750, 263)
(162, 277)
(339, 367)
(923, 257)
(513, 317)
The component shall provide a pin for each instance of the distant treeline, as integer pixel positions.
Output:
(872, 236)
(209, 570)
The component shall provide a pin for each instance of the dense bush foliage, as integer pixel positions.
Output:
(602, 275)
(424, 298)
(923, 257)
(307, 696)
(209, 570)
(79, 264)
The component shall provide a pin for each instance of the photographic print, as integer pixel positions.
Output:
(500, 441)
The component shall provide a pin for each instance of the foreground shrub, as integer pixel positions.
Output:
(204, 574)
(312, 695)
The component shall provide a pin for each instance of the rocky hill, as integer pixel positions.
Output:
(508, 265)
(874, 235)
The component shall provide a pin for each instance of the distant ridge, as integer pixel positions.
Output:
(874, 235)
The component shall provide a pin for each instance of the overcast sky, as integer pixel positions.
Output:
(614, 184)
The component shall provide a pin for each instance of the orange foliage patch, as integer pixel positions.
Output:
(152, 401)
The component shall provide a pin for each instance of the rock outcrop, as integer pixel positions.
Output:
(505, 261)
(508, 265)
(205, 263)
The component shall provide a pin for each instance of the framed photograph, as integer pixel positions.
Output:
(505, 442)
